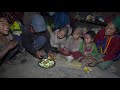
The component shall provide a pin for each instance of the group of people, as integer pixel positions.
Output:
(92, 49)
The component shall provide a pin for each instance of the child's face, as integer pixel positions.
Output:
(61, 34)
(4, 26)
(88, 39)
(76, 34)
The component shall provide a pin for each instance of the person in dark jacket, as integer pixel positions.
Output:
(36, 37)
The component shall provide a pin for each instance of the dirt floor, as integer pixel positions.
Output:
(62, 69)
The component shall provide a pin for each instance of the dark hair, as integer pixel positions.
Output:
(77, 27)
(65, 29)
(91, 33)
(3, 15)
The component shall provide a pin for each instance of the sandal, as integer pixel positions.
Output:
(92, 64)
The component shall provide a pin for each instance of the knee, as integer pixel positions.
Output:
(42, 39)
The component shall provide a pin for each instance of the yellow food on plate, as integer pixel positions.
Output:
(49, 58)
(46, 63)
(86, 70)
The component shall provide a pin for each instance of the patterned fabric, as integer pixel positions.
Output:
(111, 53)
(94, 51)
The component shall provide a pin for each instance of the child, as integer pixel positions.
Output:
(72, 44)
(89, 49)
(8, 47)
(58, 37)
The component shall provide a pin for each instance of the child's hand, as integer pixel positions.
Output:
(92, 64)
(68, 26)
(82, 59)
(51, 55)
(95, 62)
(12, 44)
(66, 52)
(92, 59)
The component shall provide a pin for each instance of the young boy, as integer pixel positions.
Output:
(89, 49)
(7, 45)
(72, 43)
(58, 37)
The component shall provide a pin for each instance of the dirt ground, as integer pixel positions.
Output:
(62, 69)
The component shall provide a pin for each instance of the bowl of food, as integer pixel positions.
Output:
(69, 58)
(46, 63)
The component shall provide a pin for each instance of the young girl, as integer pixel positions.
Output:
(72, 44)
(89, 49)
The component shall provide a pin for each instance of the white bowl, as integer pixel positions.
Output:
(69, 58)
